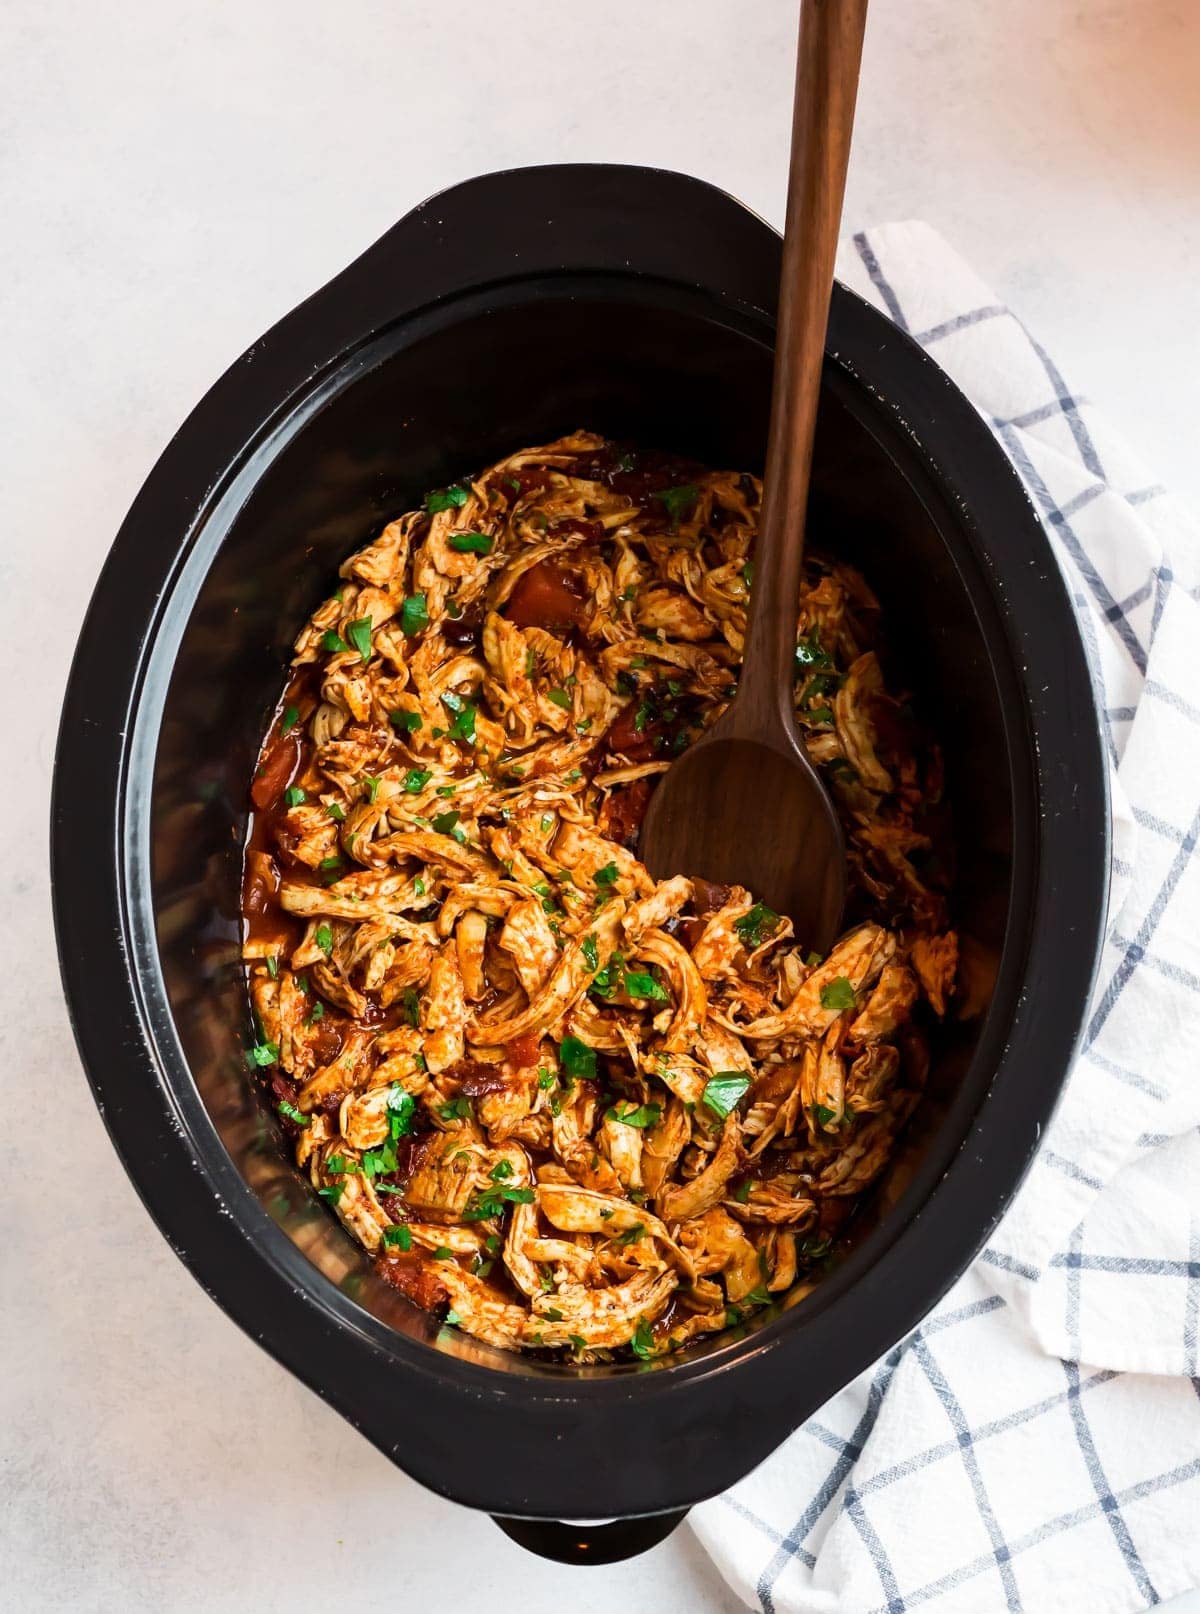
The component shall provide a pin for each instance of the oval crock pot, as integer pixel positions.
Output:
(504, 312)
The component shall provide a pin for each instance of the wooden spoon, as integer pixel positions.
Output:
(744, 805)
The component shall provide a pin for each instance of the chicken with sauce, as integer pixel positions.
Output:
(566, 1107)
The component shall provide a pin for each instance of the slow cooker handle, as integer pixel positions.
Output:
(590, 1543)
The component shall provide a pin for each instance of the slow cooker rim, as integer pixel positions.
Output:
(845, 343)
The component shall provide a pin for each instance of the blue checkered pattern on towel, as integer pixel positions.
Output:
(1035, 1444)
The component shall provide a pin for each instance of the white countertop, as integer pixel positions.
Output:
(176, 177)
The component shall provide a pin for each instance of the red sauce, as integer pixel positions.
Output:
(415, 1277)
(638, 476)
(524, 1051)
(549, 595)
(276, 771)
(475, 1079)
(623, 811)
(625, 739)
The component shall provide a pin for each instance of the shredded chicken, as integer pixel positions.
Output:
(568, 1108)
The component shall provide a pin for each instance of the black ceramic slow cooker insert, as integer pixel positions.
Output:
(505, 312)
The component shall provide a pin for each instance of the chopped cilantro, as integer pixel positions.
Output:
(290, 718)
(414, 615)
(359, 635)
(292, 1113)
(838, 994)
(545, 1078)
(471, 543)
(822, 1114)
(264, 1053)
(743, 1193)
(410, 1005)
(333, 642)
(588, 948)
(492, 1202)
(415, 780)
(809, 653)
(631, 1235)
(573, 776)
(293, 795)
(399, 1235)
(752, 927)
(452, 1319)
(317, 1012)
(678, 499)
(641, 984)
(419, 886)
(373, 783)
(639, 1115)
(324, 939)
(723, 1091)
(273, 967)
(458, 1109)
(332, 1193)
(463, 727)
(447, 824)
(642, 1343)
(578, 1342)
(451, 498)
(501, 1171)
(443, 1253)
(337, 812)
(559, 697)
(552, 1314)
(401, 1108)
(813, 959)
(821, 714)
(607, 875)
(578, 1060)
(405, 720)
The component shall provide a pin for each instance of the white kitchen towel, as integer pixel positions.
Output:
(1035, 1443)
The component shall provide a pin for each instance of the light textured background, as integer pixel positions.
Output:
(175, 176)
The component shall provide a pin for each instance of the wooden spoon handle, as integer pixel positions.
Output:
(827, 63)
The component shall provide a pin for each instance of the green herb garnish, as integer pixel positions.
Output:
(264, 1053)
(333, 642)
(838, 994)
(608, 875)
(559, 697)
(640, 1115)
(471, 543)
(359, 635)
(578, 1060)
(641, 984)
(324, 939)
(588, 948)
(642, 1343)
(290, 718)
(292, 1113)
(405, 720)
(415, 780)
(723, 1091)
(451, 498)
(414, 615)
(293, 795)
(752, 927)
(678, 499)
(399, 1235)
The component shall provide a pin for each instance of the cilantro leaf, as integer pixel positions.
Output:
(608, 875)
(399, 1235)
(408, 721)
(678, 499)
(324, 939)
(588, 948)
(642, 1343)
(359, 635)
(471, 543)
(264, 1053)
(290, 718)
(578, 1060)
(641, 984)
(752, 927)
(639, 1115)
(292, 1113)
(333, 642)
(451, 498)
(293, 795)
(414, 615)
(838, 994)
(724, 1090)
(415, 780)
